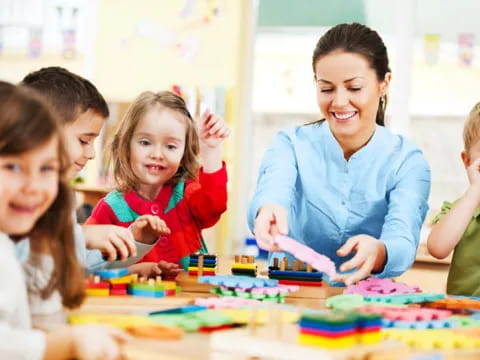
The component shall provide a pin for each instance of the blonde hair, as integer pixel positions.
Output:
(471, 130)
(119, 154)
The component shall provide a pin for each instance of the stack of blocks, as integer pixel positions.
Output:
(117, 282)
(339, 329)
(244, 265)
(297, 274)
(202, 264)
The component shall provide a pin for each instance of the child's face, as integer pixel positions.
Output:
(79, 137)
(28, 186)
(157, 146)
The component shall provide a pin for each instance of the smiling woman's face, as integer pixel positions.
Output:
(348, 94)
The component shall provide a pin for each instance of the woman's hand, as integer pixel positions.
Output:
(370, 255)
(271, 220)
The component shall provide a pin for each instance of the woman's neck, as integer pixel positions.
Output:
(351, 144)
(148, 192)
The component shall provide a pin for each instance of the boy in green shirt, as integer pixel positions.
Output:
(457, 227)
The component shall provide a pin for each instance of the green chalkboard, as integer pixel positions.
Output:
(310, 12)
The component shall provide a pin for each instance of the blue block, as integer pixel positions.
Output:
(112, 273)
(194, 262)
(145, 293)
(180, 310)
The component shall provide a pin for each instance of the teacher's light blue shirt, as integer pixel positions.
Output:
(382, 191)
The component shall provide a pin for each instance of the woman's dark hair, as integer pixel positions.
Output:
(359, 39)
(26, 123)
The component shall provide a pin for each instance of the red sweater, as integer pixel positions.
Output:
(187, 208)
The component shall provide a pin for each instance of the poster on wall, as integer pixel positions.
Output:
(432, 48)
(465, 48)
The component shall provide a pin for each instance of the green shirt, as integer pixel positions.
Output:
(464, 274)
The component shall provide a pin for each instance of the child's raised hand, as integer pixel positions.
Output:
(114, 241)
(473, 172)
(91, 342)
(147, 228)
(212, 130)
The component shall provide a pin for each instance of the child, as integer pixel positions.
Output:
(154, 154)
(83, 111)
(36, 202)
(457, 227)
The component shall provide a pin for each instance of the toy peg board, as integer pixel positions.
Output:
(266, 343)
(190, 283)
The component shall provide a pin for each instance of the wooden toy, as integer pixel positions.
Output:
(112, 273)
(202, 264)
(94, 286)
(297, 274)
(244, 265)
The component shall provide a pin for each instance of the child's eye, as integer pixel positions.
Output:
(48, 168)
(144, 142)
(83, 142)
(12, 167)
(171, 147)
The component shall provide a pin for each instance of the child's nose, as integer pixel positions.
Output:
(157, 152)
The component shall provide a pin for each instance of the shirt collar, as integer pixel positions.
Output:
(143, 207)
(366, 152)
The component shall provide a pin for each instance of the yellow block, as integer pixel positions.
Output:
(244, 316)
(124, 279)
(342, 342)
(195, 268)
(371, 337)
(118, 320)
(169, 285)
(97, 292)
(244, 266)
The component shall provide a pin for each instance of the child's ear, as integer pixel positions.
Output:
(465, 159)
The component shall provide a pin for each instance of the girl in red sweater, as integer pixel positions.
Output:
(162, 195)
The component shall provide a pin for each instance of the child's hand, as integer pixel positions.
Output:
(97, 342)
(145, 269)
(113, 241)
(147, 228)
(473, 172)
(212, 130)
(153, 269)
(370, 255)
(169, 269)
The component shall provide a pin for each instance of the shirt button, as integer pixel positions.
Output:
(343, 203)
(154, 209)
(163, 241)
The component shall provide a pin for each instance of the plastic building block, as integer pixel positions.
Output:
(226, 302)
(420, 325)
(375, 286)
(433, 339)
(180, 310)
(455, 303)
(319, 262)
(345, 302)
(112, 273)
(194, 320)
(299, 282)
(156, 331)
(406, 313)
(237, 281)
(405, 298)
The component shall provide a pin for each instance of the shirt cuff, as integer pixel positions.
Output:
(215, 179)
(397, 259)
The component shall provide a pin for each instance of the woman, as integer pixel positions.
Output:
(346, 186)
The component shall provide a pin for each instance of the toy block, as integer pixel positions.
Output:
(97, 292)
(237, 281)
(194, 320)
(112, 273)
(306, 254)
(244, 265)
(374, 286)
(180, 310)
(202, 264)
(96, 283)
(300, 282)
(156, 331)
(405, 298)
(124, 279)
